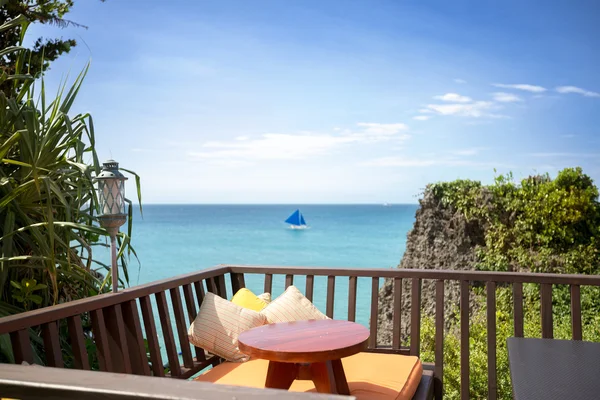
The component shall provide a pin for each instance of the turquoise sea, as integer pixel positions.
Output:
(174, 239)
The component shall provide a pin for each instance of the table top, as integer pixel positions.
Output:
(304, 341)
(554, 369)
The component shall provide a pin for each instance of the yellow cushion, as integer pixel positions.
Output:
(291, 306)
(372, 376)
(245, 298)
(218, 325)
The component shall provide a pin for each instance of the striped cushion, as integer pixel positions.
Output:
(291, 306)
(218, 325)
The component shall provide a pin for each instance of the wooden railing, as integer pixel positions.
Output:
(119, 338)
(117, 327)
(465, 280)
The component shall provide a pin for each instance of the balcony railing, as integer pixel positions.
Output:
(120, 340)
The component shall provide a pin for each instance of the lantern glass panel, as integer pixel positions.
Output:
(111, 196)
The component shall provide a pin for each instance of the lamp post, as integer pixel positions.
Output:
(111, 197)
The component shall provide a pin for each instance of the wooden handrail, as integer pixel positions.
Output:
(448, 275)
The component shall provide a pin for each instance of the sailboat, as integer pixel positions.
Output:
(296, 220)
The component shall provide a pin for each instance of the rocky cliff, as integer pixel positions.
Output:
(440, 239)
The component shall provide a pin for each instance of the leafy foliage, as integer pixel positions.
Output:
(537, 225)
(44, 50)
(48, 206)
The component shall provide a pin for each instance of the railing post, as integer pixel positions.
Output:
(439, 340)
(491, 340)
(330, 296)
(374, 312)
(546, 305)
(237, 281)
(415, 319)
(576, 312)
(464, 340)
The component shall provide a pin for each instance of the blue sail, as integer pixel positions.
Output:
(296, 219)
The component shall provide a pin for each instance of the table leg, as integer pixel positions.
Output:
(329, 377)
(340, 377)
(280, 375)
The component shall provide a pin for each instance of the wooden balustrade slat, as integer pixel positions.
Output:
(80, 356)
(352, 298)
(191, 309)
(576, 312)
(439, 339)
(21, 346)
(101, 339)
(491, 340)
(374, 312)
(464, 340)
(397, 329)
(52, 345)
(180, 322)
(221, 288)
(167, 330)
(237, 282)
(117, 343)
(289, 280)
(415, 317)
(151, 336)
(199, 288)
(310, 283)
(135, 338)
(330, 296)
(546, 300)
(211, 285)
(518, 308)
(268, 283)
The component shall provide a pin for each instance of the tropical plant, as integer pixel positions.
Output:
(48, 205)
(44, 50)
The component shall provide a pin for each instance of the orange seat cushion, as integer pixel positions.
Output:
(372, 376)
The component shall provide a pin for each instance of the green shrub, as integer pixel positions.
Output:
(478, 356)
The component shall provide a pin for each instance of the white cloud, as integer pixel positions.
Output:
(504, 97)
(425, 111)
(428, 162)
(476, 109)
(573, 155)
(521, 86)
(272, 146)
(279, 146)
(467, 152)
(461, 81)
(453, 97)
(422, 117)
(578, 90)
(377, 129)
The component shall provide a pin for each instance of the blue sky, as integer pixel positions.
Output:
(335, 101)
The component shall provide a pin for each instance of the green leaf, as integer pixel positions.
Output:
(36, 299)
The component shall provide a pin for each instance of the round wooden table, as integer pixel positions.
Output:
(306, 350)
